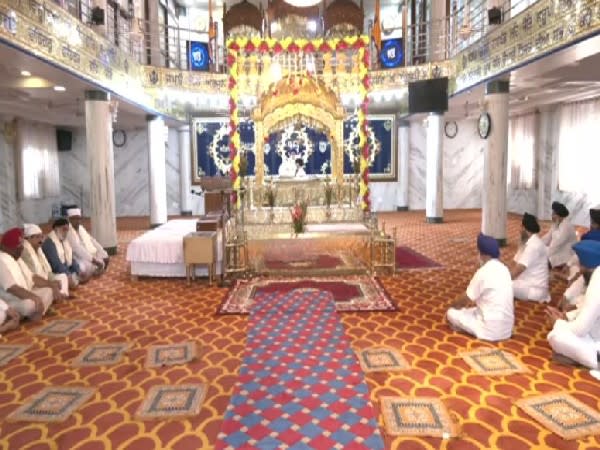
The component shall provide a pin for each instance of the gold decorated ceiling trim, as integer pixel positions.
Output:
(543, 27)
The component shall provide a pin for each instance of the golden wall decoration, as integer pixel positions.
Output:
(545, 26)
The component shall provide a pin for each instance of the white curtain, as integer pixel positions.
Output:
(521, 151)
(37, 157)
(578, 154)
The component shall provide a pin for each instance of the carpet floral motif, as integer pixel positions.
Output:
(171, 354)
(101, 354)
(492, 361)
(53, 404)
(381, 359)
(60, 328)
(10, 352)
(168, 402)
(421, 416)
(562, 414)
(351, 293)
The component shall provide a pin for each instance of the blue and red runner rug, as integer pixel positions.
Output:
(300, 385)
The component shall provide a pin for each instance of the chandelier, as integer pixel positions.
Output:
(303, 3)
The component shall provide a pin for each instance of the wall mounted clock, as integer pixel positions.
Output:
(119, 138)
(484, 125)
(451, 129)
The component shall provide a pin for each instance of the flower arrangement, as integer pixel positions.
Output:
(298, 213)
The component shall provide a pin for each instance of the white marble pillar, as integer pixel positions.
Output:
(185, 171)
(434, 176)
(495, 162)
(403, 159)
(99, 145)
(157, 171)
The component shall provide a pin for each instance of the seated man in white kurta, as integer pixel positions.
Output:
(9, 317)
(575, 335)
(59, 254)
(561, 237)
(531, 276)
(35, 259)
(88, 253)
(34, 295)
(487, 309)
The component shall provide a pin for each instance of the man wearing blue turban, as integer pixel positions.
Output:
(576, 335)
(487, 309)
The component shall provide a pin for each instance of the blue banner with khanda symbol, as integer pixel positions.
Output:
(297, 145)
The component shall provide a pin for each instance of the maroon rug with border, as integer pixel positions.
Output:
(407, 258)
(351, 293)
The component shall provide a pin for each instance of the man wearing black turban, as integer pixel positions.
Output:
(530, 275)
(561, 237)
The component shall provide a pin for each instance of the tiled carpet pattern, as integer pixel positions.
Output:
(152, 312)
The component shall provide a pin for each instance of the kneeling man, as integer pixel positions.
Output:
(487, 309)
(576, 334)
(531, 276)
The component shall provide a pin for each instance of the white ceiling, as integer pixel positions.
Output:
(570, 75)
(34, 97)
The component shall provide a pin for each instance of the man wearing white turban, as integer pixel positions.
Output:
(36, 260)
(87, 251)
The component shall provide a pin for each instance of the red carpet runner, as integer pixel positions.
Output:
(300, 384)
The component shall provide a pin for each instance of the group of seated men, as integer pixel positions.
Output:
(487, 309)
(36, 270)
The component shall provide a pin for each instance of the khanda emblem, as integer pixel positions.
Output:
(322, 146)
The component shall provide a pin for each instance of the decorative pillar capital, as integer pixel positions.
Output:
(95, 95)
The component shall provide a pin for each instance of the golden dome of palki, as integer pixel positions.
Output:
(299, 89)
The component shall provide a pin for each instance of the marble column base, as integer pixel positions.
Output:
(434, 220)
(401, 208)
(186, 213)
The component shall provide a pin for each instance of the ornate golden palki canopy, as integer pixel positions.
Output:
(300, 99)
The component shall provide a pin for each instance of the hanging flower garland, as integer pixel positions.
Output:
(260, 45)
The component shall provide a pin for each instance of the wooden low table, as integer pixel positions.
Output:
(200, 248)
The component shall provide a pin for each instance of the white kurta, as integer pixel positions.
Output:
(560, 240)
(492, 318)
(80, 253)
(579, 338)
(16, 273)
(38, 264)
(574, 293)
(532, 283)
(3, 309)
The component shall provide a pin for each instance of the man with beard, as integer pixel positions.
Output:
(35, 259)
(88, 253)
(33, 295)
(487, 309)
(60, 254)
(531, 275)
(561, 237)
(575, 335)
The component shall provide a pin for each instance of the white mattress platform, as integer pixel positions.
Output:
(159, 252)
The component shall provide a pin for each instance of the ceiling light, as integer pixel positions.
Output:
(25, 73)
(60, 88)
(303, 3)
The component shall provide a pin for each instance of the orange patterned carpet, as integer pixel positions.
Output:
(151, 311)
